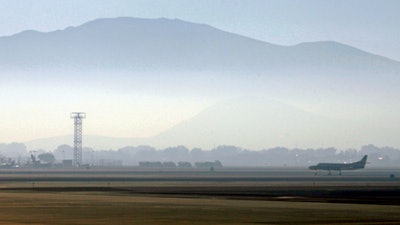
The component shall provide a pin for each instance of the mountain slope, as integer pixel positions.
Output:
(111, 67)
(244, 122)
(163, 45)
(254, 123)
(129, 43)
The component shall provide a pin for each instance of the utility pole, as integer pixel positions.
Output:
(78, 116)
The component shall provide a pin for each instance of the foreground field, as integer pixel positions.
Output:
(111, 208)
(197, 197)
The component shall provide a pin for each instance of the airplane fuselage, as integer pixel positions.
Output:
(340, 166)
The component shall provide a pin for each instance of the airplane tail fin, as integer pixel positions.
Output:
(363, 161)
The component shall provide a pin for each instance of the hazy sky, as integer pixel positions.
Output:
(371, 25)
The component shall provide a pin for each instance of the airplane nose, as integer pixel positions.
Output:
(311, 167)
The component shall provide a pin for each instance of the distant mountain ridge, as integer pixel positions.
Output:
(131, 44)
(172, 58)
(243, 122)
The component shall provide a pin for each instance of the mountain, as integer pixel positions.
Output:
(246, 122)
(241, 122)
(164, 45)
(324, 91)
(254, 123)
(127, 44)
(258, 123)
(168, 54)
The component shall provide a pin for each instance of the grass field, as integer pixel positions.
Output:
(111, 208)
(191, 201)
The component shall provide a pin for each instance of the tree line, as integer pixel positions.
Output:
(226, 154)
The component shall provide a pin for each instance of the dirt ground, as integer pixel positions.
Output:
(114, 208)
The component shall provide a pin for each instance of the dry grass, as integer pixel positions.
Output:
(111, 208)
(117, 197)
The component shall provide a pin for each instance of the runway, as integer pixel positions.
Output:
(372, 186)
(135, 174)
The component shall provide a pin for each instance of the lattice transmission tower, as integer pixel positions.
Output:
(78, 116)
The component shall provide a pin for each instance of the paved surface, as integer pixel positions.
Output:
(369, 186)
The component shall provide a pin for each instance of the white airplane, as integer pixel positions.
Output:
(340, 166)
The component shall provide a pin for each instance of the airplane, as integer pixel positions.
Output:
(340, 166)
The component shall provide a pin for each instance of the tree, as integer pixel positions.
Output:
(47, 157)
